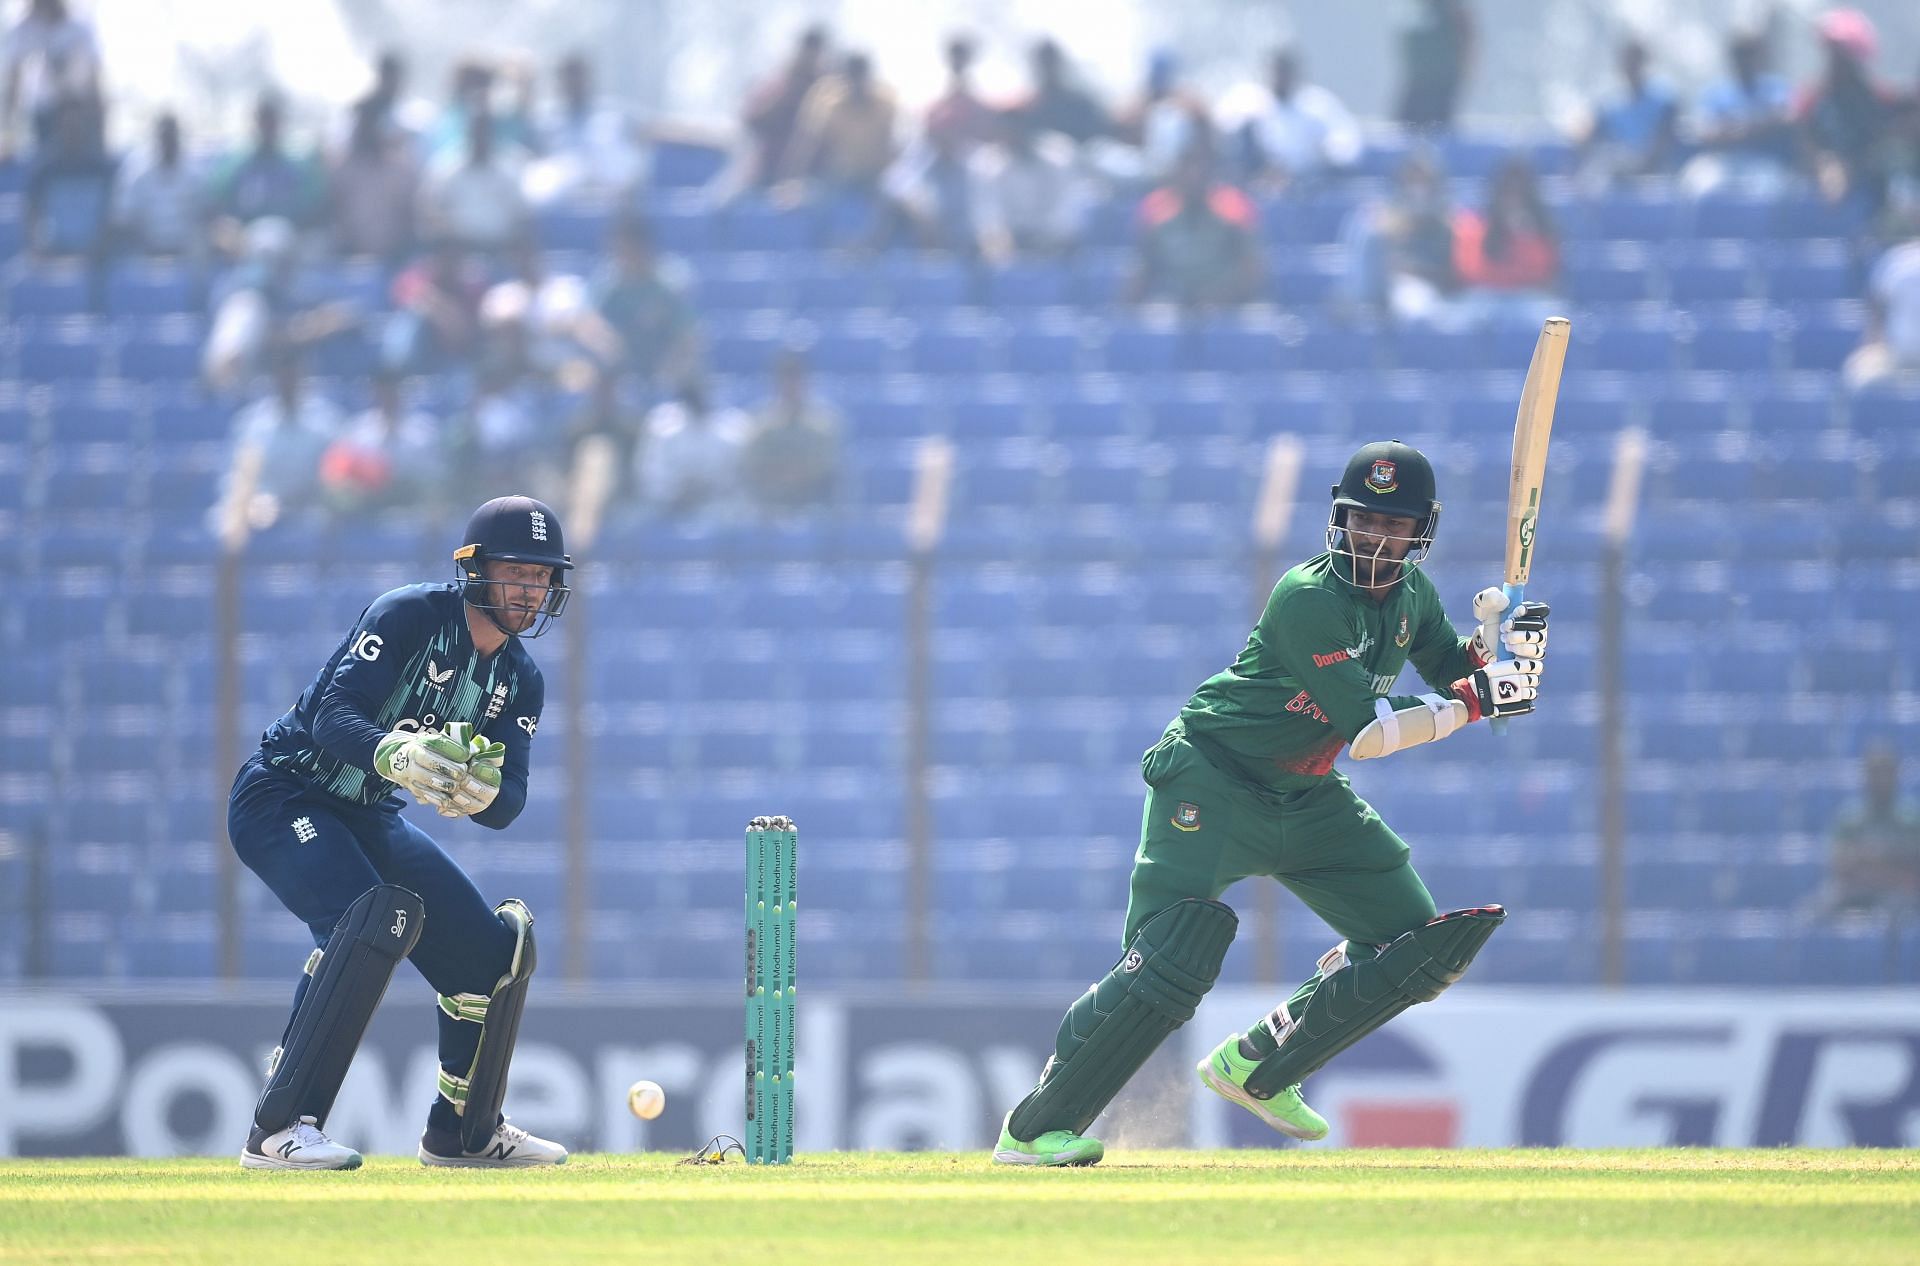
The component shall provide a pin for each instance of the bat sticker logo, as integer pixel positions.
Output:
(1384, 477)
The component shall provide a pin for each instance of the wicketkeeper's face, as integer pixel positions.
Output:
(517, 591)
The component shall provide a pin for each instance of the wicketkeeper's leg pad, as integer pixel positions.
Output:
(1110, 1032)
(1356, 998)
(478, 1095)
(349, 977)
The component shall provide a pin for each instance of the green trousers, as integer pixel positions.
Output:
(1202, 831)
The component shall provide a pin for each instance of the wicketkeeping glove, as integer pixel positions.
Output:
(1505, 688)
(480, 782)
(427, 764)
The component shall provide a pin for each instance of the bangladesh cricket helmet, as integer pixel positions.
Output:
(1386, 477)
(519, 530)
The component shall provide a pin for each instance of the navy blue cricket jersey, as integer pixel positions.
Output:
(409, 663)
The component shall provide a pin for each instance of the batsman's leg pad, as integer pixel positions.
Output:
(1357, 997)
(350, 977)
(1154, 988)
(478, 1095)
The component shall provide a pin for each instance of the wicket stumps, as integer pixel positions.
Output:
(772, 897)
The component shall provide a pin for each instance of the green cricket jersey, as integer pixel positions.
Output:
(1305, 685)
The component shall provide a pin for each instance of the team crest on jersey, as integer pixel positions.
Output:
(497, 703)
(1401, 638)
(1187, 817)
(1384, 477)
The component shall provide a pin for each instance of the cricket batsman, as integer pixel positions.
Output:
(432, 692)
(1242, 783)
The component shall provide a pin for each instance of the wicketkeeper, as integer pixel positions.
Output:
(1242, 783)
(431, 693)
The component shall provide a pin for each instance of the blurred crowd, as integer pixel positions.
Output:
(438, 202)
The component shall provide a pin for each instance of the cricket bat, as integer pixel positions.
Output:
(1532, 427)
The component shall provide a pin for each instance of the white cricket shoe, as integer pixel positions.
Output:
(510, 1148)
(301, 1145)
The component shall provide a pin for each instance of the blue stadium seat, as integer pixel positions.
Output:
(168, 349)
(50, 289)
(1028, 284)
(62, 349)
(151, 287)
(1607, 272)
(1140, 347)
(1817, 271)
(1651, 217)
(1645, 344)
(685, 164)
(1732, 216)
(95, 417)
(961, 344)
(750, 225)
(1823, 336)
(1708, 272)
(925, 283)
(1046, 342)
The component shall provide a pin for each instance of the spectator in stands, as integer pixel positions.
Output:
(476, 200)
(1436, 56)
(588, 147)
(960, 116)
(1400, 252)
(69, 203)
(689, 462)
(927, 199)
(375, 186)
(47, 57)
(1743, 127)
(1508, 256)
(1635, 135)
(502, 436)
(161, 207)
(472, 96)
(280, 438)
(1890, 349)
(266, 181)
(1287, 132)
(846, 136)
(436, 320)
(389, 456)
(1847, 120)
(1058, 103)
(256, 308)
(1198, 243)
(609, 413)
(566, 340)
(1030, 198)
(1875, 859)
(1164, 121)
(386, 103)
(643, 299)
(791, 457)
(772, 115)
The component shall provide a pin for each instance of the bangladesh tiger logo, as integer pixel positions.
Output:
(1384, 477)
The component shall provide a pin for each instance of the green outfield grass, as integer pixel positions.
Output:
(1389, 1207)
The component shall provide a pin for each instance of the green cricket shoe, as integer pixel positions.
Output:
(1055, 1147)
(1225, 1073)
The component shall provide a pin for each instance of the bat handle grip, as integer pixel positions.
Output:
(1490, 631)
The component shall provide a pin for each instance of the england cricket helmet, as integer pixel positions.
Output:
(519, 530)
(1386, 477)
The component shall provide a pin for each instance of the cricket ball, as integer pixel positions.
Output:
(646, 1100)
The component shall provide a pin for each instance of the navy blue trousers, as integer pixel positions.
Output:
(318, 854)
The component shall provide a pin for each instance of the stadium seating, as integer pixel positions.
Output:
(1097, 566)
